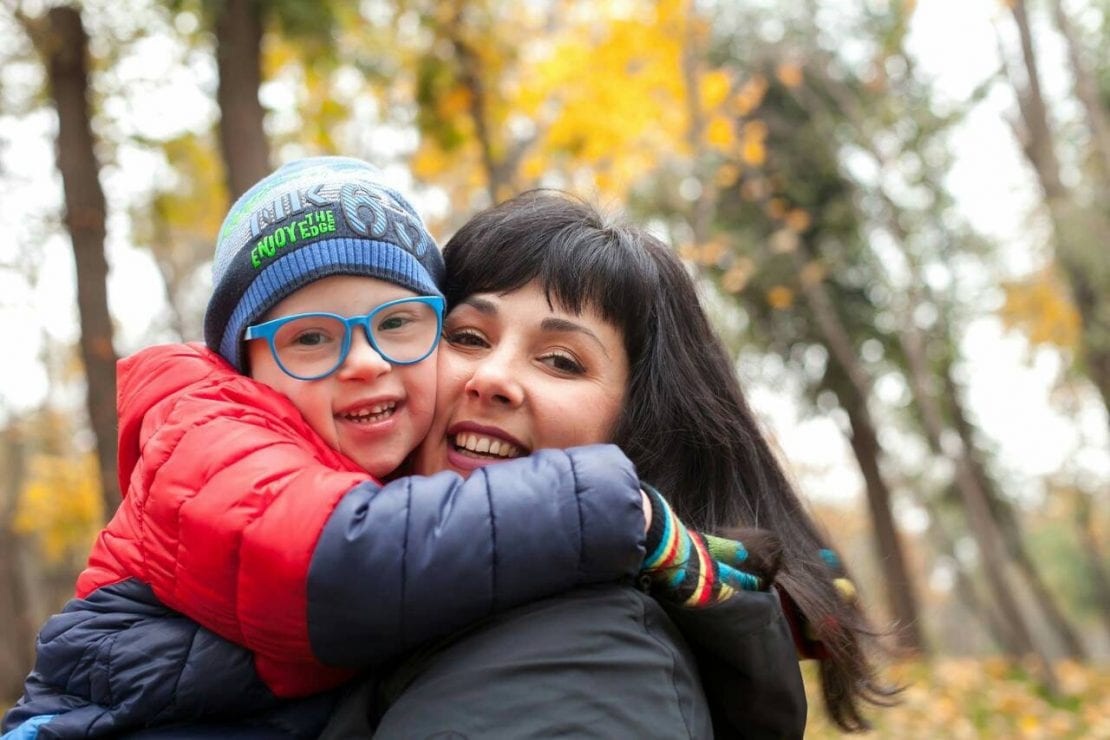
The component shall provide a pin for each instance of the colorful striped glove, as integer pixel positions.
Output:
(689, 568)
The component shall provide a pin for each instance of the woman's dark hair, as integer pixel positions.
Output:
(685, 422)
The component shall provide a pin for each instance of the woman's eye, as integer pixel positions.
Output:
(464, 338)
(563, 362)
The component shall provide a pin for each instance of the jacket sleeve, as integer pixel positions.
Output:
(424, 556)
(748, 666)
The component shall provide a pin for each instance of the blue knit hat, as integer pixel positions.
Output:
(310, 219)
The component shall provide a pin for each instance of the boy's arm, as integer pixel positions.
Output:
(424, 556)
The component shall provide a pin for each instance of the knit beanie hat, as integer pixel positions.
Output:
(310, 219)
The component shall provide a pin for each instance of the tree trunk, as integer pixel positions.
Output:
(17, 632)
(1011, 529)
(888, 545)
(854, 390)
(1096, 562)
(982, 523)
(996, 626)
(1086, 90)
(85, 215)
(470, 74)
(243, 143)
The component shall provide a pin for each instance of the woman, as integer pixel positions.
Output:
(564, 330)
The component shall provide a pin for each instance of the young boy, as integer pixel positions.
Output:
(256, 558)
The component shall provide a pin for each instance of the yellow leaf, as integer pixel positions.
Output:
(1041, 308)
(720, 133)
(454, 103)
(714, 88)
(780, 297)
(750, 96)
(737, 276)
(797, 220)
(712, 251)
(813, 273)
(429, 162)
(726, 175)
(789, 74)
(753, 150)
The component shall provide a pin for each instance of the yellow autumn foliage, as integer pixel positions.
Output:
(60, 506)
(1040, 307)
(981, 698)
(780, 297)
(789, 74)
(753, 147)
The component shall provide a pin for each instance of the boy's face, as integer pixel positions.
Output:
(373, 412)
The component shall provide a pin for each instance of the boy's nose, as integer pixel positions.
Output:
(362, 361)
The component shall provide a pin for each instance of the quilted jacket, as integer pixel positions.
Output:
(250, 563)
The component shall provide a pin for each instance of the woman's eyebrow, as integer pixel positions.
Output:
(556, 324)
(481, 305)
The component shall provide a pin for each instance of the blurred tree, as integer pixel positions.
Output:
(243, 142)
(1077, 213)
(60, 39)
(17, 638)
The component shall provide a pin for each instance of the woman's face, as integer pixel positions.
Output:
(518, 375)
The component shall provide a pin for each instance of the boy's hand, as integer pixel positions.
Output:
(691, 569)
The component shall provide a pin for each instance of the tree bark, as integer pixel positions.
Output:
(1096, 561)
(17, 631)
(85, 216)
(901, 598)
(243, 142)
(1086, 90)
(470, 74)
(975, 503)
(997, 628)
(1011, 530)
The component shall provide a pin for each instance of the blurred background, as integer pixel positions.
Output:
(898, 213)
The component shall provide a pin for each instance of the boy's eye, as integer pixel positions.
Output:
(312, 338)
(563, 362)
(394, 322)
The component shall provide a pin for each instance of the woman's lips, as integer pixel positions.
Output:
(471, 446)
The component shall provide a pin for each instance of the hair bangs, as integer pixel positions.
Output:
(579, 260)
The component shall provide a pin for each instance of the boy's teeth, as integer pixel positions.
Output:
(377, 412)
(485, 445)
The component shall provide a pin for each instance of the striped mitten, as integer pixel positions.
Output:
(681, 565)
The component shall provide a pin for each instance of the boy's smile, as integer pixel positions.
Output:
(370, 410)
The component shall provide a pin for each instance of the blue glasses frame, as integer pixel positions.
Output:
(268, 330)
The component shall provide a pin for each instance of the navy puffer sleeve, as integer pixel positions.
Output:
(424, 556)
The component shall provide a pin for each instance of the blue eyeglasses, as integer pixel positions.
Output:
(310, 346)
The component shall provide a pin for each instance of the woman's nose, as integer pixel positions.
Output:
(363, 362)
(495, 380)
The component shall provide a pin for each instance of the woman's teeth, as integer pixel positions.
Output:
(486, 445)
(371, 414)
